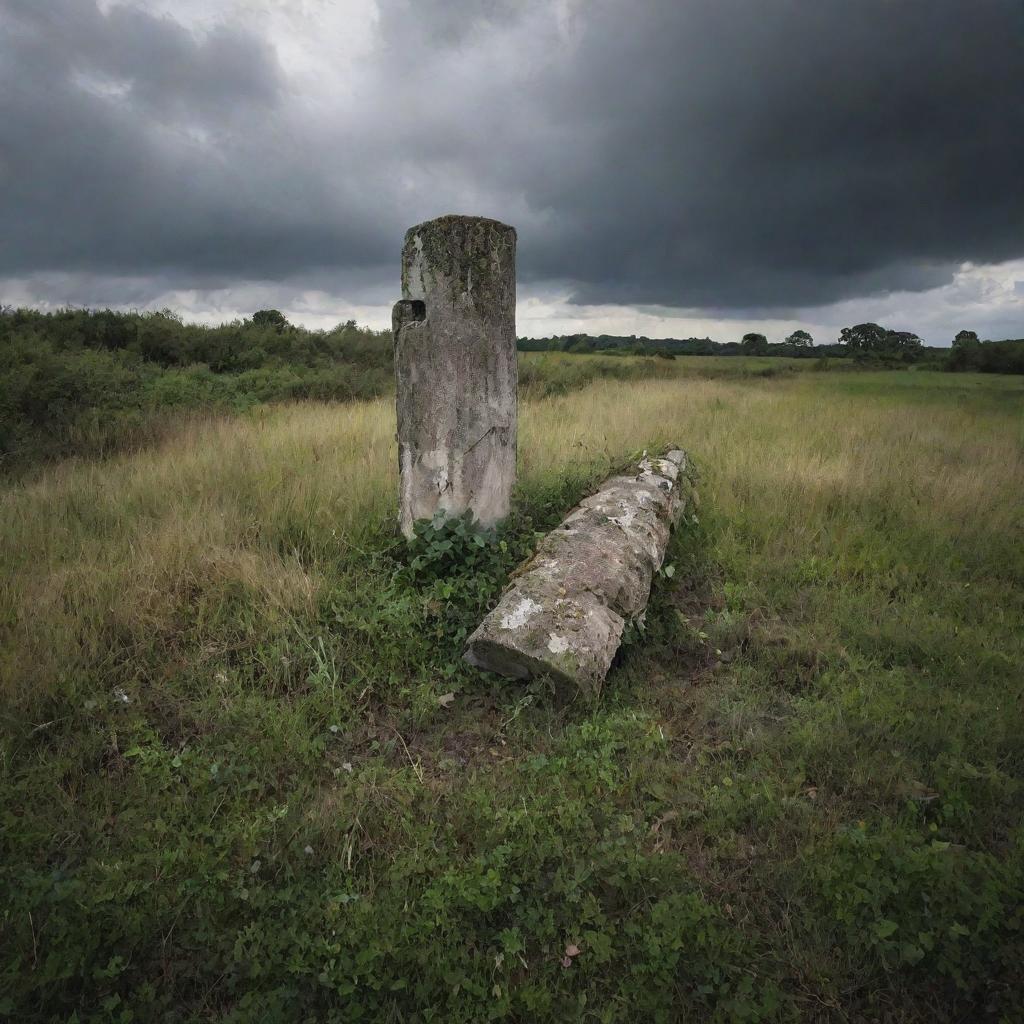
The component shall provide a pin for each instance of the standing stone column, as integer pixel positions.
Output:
(455, 363)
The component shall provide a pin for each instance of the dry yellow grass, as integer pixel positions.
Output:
(102, 550)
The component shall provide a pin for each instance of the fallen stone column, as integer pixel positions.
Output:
(563, 615)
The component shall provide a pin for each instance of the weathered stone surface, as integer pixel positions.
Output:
(455, 365)
(565, 613)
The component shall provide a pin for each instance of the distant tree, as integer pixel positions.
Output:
(965, 338)
(987, 356)
(270, 318)
(581, 343)
(754, 344)
(902, 341)
(877, 340)
(800, 339)
(863, 338)
(161, 339)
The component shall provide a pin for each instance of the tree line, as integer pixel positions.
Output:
(79, 380)
(867, 343)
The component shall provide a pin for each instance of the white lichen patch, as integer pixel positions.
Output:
(521, 614)
(625, 521)
(665, 468)
(657, 479)
(557, 644)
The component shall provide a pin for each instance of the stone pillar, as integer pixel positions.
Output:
(455, 364)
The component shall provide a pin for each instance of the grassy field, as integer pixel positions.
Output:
(247, 778)
(99, 383)
(542, 374)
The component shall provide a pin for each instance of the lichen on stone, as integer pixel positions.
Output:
(471, 254)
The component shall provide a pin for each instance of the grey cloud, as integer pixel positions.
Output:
(789, 153)
(725, 155)
(163, 67)
(131, 145)
(414, 24)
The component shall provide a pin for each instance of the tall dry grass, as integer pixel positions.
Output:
(100, 556)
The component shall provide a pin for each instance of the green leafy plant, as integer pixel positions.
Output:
(446, 545)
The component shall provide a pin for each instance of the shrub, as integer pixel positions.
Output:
(78, 381)
(987, 356)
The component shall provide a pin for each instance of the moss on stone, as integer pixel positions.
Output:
(471, 253)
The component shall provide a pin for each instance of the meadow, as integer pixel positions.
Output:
(246, 775)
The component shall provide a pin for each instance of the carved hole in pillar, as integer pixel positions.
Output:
(412, 310)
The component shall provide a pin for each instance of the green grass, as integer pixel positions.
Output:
(543, 374)
(232, 792)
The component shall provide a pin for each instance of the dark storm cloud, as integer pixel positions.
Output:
(773, 153)
(131, 145)
(723, 154)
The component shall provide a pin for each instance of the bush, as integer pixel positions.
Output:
(81, 382)
(988, 356)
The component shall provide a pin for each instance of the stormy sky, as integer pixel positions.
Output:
(674, 167)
